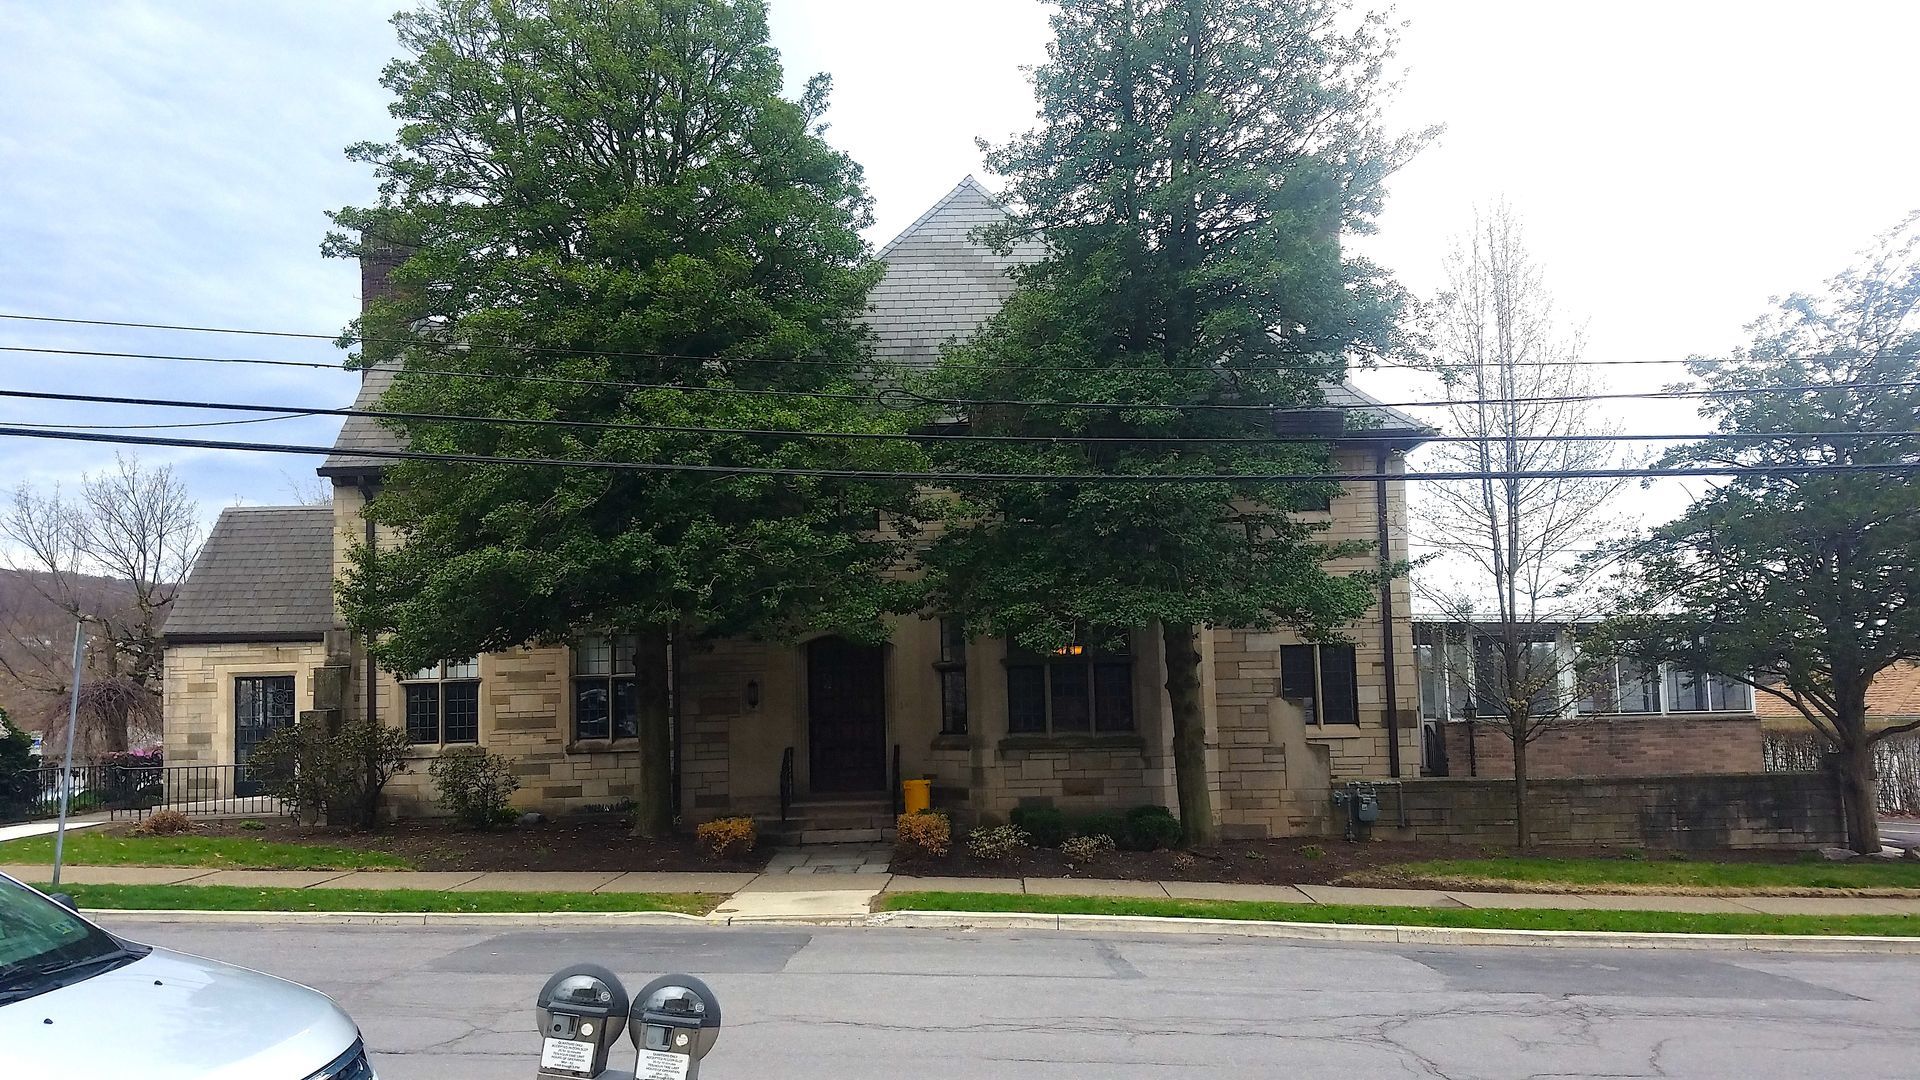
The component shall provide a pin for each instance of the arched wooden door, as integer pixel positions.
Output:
(846, 716)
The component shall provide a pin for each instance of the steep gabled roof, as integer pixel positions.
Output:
(363, 433)
(265, 574)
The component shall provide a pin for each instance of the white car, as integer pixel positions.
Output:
(78, 1001)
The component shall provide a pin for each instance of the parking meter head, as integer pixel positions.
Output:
(678, 1014)
(583, 1003)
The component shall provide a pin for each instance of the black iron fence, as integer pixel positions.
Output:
(138, 790)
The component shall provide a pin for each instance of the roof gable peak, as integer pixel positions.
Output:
(967, 184)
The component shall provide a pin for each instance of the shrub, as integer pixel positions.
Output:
(19, 780)
(251, 825)
(1110, 825)
(726, 838)
(1045, 826)
(1150, 828)
(997, 842)
(923, 834)
(1084, 849)
(163, 823)
(475, 786)
(1313, 851)
(337, 774)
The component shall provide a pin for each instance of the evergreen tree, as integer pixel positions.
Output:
(1196, 165)
(596, 192)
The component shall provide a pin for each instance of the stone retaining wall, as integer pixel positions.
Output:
(1749, 810)
(1682, 745)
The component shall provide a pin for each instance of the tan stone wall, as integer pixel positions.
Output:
(197, 702)
(1672, 745)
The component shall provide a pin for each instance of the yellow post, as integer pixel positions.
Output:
(916, 795)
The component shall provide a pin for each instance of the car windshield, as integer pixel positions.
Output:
(37, 934)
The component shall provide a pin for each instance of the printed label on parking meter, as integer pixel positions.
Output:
(567, 1054)
(660, 1065)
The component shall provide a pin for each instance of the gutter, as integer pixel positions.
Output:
(1387, 649)
(373, 546)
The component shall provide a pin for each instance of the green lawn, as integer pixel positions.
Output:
(224, 852)
(1815, 873)
(241, 898)
(1650, 922)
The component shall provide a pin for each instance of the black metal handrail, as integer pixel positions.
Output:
(899, 796)
(786, 783)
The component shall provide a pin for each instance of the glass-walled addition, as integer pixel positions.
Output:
(1454, 670)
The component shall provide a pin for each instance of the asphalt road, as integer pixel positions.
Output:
(1900, 832)
(804, 1004)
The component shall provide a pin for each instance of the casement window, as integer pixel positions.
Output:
(1075, 691)
(952, 670)
(606, 699)
(443, 704)
(1696, 691)
(1323, 680)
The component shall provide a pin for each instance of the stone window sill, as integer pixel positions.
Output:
(952, 742)
(1074, 742)
(1337, 731)
(604, 746)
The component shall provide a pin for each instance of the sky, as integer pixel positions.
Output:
(1676, 164)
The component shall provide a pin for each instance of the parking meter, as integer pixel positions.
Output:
(582, 1010)
(675, 1021)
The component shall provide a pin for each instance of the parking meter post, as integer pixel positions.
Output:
(675, 1022)
(581, 1012)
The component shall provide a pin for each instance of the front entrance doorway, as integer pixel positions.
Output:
(262, 705)
(846, 716)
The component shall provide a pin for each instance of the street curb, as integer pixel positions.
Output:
(1131, 924)
(402, 918)
(1399, 935)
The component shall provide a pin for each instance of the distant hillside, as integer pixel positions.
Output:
(36, 636)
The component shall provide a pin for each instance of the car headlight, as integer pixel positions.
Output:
(352, 1065)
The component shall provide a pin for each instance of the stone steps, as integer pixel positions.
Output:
(830, 821)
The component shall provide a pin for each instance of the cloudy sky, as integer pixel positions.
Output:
(1676, 163)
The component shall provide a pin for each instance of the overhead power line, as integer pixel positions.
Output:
(452, 346)
(891, 395)
(24, 432)
(1361, 435)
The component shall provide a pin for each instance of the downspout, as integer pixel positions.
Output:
(373, 672)
(1387, 651)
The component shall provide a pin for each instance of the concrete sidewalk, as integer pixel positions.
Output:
(781, 895)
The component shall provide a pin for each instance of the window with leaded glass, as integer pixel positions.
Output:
(606, 699)
(1075, 691)
(443, 703)
(952, 671)
(1323, 680)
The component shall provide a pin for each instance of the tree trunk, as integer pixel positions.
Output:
(1861, 793)
(1522, 835)
(653, 809)
(1189, 733)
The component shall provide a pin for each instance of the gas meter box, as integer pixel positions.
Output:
(582, 1011)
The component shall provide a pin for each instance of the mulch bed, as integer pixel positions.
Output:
(1289, 861)
(584, 843)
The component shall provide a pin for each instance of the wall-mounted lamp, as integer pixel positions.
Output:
(753, 693)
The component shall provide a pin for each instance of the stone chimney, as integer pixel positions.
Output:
(378, 259)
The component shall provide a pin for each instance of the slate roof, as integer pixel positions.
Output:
(266, 573)
(940, 286)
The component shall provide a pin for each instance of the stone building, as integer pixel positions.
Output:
(255, 632)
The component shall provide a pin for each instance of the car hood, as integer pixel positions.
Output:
(169, 1016)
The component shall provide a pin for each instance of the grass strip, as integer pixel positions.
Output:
(399, 901)
(1640, 922)
(1815, 874)
(222, 852)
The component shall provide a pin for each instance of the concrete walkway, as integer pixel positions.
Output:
(47, 828)
(825, 892)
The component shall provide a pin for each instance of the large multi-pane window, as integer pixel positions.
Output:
(1620, 687)
(606, 700)
(1324, 680)
(1538, 671)
(952, 669)
(1692, 691)
(1075, 690)
(443, 703)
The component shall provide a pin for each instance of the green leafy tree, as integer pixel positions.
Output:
(602, 191)
(1195, 167)
(19, 780)
(1805, 585)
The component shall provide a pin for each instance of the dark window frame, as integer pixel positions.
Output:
(1090, 668)
(1304, 668)
(951, 671)
(616, 716)
(433, 692)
